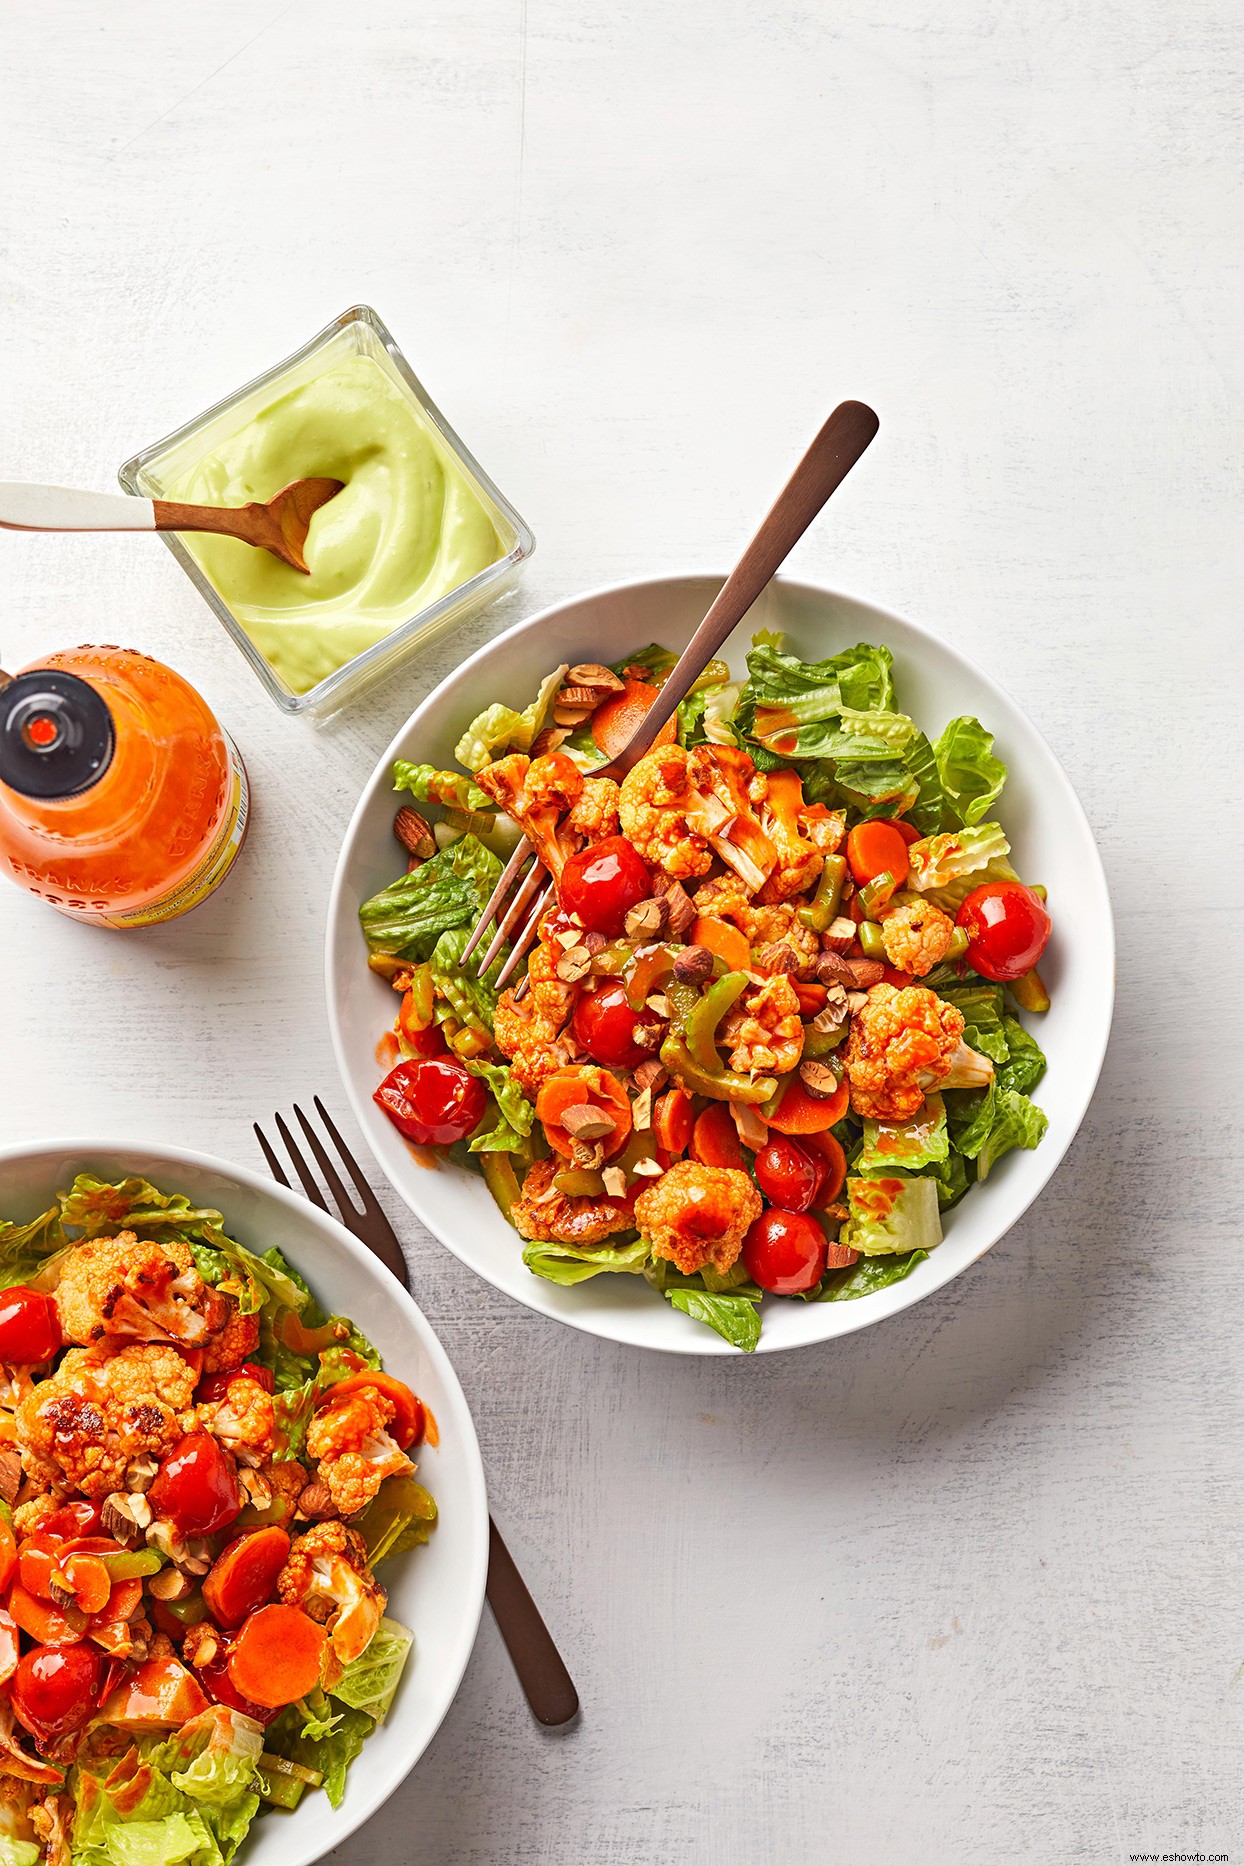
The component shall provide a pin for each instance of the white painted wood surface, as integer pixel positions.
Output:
(966, 1589)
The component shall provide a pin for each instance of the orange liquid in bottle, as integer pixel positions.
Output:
(121, 799)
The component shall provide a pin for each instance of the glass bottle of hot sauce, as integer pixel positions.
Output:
(122, 801)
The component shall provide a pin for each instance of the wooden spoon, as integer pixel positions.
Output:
(279, 525)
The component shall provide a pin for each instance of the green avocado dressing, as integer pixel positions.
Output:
(407, 528)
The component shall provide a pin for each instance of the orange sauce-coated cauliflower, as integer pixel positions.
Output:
(243, 1420)
(138, 1290)
(82, 1427)
(900, 1043)
(563, 1219)
(761, 925)
(350, 1437)
(652, 809)
(916, 937)
(764, 1030)
(529, 1029)
(696, 1215)
(537, 793)
(328, 1577)
(235, 1343)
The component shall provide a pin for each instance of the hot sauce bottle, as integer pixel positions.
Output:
(122, 801)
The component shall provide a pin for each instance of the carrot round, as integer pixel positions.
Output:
(616, 718)
(672, 1121)
(811, 998)
(875, 847)
(801, 1113)
(725, 940)
(89, 1580)
(715, 1141)
(579, 1086)
(245, 1576)
(907, 831)
(277, 1655)
(44, 1622)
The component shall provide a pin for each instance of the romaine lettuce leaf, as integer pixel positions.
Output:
(785, 696)
(472, 1000)
(928, 810)
(14, 1852)
(427, 785)
(572, 1263)
(515, 1114)
(24, 1249)
(401, 1516)
(906, 1146)
(971, 776)
(198, 1797)
(1024, 1064)
(951, 1177)
(654, 658)
(867, 1276)
(369, 1682)
(331, 1755)
(450, 891)
(938, 860)
(735, 1318)
(500, 729)
(891, 1216)
(951, 898)
(986, 1123)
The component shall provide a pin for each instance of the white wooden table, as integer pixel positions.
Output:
(968, 1588)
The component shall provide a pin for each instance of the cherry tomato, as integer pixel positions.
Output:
(197, 1486)
(1007, 928)
(604, 1023)
(785, 1252)
(788, 1176)
(29, 1327)
(602, 883)
(215, 1386)
(432, 1102)
(73, 1519)
(54, 1689)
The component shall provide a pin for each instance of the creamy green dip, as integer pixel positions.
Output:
(407, 528)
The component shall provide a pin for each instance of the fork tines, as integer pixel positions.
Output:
(507, 917)
(369, 1225)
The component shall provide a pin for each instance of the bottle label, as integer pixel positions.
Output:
(216, 862)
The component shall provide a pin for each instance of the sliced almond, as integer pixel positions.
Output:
(584, 1122)
(570, 716)
(589, 1154)
(778, 958)
(819, 1080)
(753, 1129)
(652, 1074)
(660, 1004)
(680, 905)
(856, 1000)
(10, 1474)
(647, 918)
(587, 697)
(548, 740)
(170, 1584)
(648, 1169)
(641, 1109)
(838, 935)
(574, 964)
(140, 1473)
(414, 833)
(645, 1036)
(125, 1517)
(866, 973)
(615, 1182)
(833, 969)
(592, 674)
(571, 937)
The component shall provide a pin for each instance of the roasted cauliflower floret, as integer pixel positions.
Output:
(328, 1577)
(537, 793)
(782, 817)
(566, 1220)
(350, 1437)
(100, 1410)
(916, 937)
(726, 790)
(244, 1420)
(653, 812)
(726, 899)
(528, 1029)
(763, 1030)
(133, 1289)
(236, 1342)
(903, 1042)
(696, 1215)
(596, 813)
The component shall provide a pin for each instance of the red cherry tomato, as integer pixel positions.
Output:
(787, 1175)
(215, 1386)
(602, 883)
(432, 1102)
(785, 1252)
(54, 1689)
(1007, 928)
(197, 1485)
(29, 1327)
(73, 1519)
(430, 1041)
(604, 1023)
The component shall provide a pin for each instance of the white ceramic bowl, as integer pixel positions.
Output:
(438, 1590)
(1050, 837)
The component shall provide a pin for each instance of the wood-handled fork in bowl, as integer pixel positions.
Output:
(825, 465)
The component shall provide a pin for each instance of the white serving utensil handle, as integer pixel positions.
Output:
(62, 508)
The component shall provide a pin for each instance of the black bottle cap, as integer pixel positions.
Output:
(56, 734)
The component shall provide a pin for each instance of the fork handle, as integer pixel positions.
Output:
(547, 1685)
(822, 470)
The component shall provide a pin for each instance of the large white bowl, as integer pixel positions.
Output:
(438, 1590)
(1052, 843)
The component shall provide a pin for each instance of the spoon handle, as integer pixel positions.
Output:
(822, 470)
(66, 508)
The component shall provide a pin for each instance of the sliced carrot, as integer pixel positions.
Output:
(811, 998)
(835, 1167)
(616, 718)
(277, 1655)
(583, 1085)
(723, 939)
(715, 1141)
(907, 831)
(245, 1576)
(407, 1425)
(672, 1121)
(44, 1622)
(90, 1581)
(801, 1113)
(875, 848)
(8, 1554)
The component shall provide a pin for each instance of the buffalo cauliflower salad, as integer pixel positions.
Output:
(199, 1473)
(770, 1030)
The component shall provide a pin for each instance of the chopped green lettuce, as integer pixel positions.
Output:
(15, 1852)
(735, 1318)
(500, 729)
(408, 917)
(938, 860)
(971, 776)
(891, 1216)
(951, 898)
(369, 1682)
(867, 1276)
(573, 1263)
(331, 1755)
(906, 1146)
(25, 1249)
(198, 1797)
(472, 1000)
(1024, 1064)
(401, 1516)
(927, 812)
(450, 788)
(986, 1123)
(514, 1113)
(655, 659)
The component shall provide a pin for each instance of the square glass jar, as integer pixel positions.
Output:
(151, 473)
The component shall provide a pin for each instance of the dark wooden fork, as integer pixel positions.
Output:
(546, 1683)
